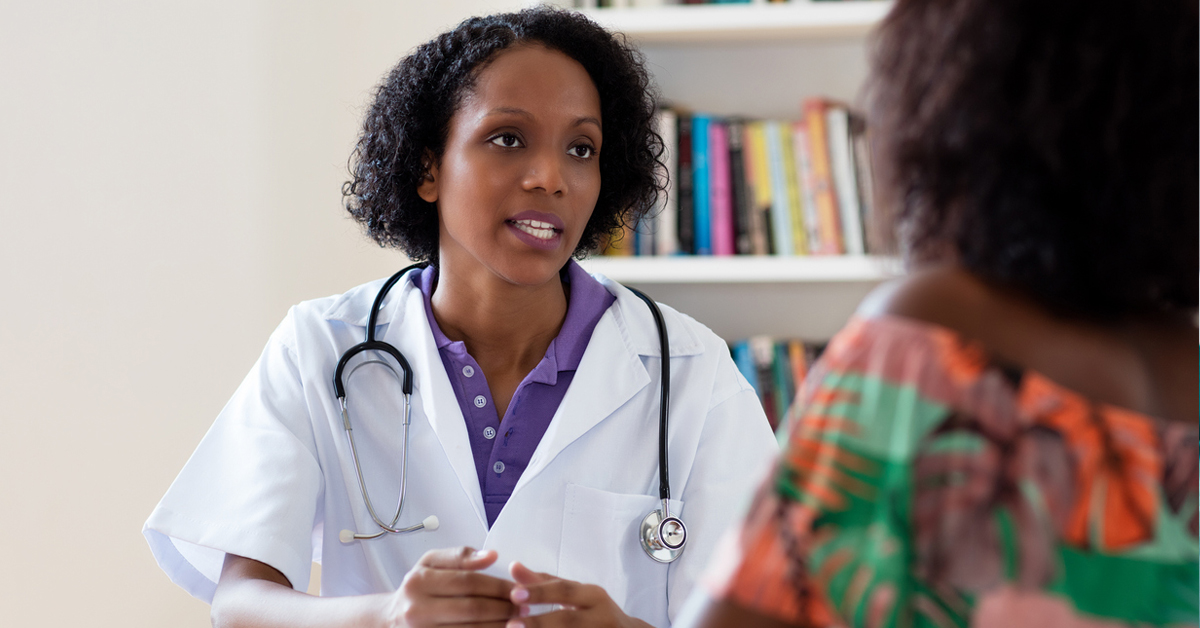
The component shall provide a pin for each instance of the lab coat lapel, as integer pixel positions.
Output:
(609, 375)
(432, 389)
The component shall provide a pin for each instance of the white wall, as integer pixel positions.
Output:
(170, 178)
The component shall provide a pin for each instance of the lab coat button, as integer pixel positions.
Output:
(480, 401)
(498, 467)
(489, 432)
(468, 371)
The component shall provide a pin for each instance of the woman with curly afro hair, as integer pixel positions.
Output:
(1008, 435)
(495, 154)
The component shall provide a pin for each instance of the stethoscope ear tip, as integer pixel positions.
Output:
(346, 536)
(430, 523)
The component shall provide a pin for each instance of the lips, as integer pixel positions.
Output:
(538, 229)
(535, 228)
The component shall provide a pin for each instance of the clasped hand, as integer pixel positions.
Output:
(446, 588)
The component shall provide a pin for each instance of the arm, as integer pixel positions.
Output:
(443, 588)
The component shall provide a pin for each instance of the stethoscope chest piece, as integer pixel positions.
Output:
(663, 538)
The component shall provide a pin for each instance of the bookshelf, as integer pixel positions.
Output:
(743, 23)
(757, 60)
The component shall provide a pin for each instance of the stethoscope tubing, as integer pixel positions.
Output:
(371, 344)
(664, 480)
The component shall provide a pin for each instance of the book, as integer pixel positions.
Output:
(644, 235)
(804, 180)
(841, 161)
(743, 201)
(830, 242)
(666, 234)
(758, 182)
(781, 213)
(701, 186)
(785, 386)
(720, 189)
(762, 349)
(744, 360)
(686, 217)
(860, 143)
(795, 208)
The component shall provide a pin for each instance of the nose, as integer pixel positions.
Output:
(545, 172)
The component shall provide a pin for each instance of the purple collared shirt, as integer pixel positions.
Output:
(502, 448)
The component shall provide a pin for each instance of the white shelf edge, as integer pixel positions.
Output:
(744, 269)
(743, 22)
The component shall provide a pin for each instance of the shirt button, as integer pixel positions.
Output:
(498, 467)
(489, 432)
(480, 401)
(468, 370)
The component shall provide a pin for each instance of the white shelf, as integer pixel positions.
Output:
(744, 22)
(744, 269)
(742, 296)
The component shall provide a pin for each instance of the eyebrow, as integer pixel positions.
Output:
(516, 111)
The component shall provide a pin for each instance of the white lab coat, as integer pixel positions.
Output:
(274, 480)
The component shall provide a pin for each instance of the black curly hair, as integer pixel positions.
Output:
(1048, 146)
(413, 106)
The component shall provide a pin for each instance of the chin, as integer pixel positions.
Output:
(532, 270)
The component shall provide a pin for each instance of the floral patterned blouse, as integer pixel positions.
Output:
(923, 483)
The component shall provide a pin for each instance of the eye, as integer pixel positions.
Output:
(506, 140)
(583, 151)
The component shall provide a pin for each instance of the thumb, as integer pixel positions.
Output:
(526, 576)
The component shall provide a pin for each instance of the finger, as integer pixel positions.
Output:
(553, 619)
(460, 583)
(458, 558)
(558, 591)
(525, 575)
(464, 610)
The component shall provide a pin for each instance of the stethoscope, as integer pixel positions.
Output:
(662, 535)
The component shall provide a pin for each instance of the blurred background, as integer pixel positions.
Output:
(171, 180)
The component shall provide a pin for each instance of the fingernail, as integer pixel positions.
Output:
(479, 554)
(525, 610)
(514, 623)
(520, 594)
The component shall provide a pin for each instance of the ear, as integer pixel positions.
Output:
(428, 188)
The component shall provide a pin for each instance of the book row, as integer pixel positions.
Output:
(776, 368)
(759, 187)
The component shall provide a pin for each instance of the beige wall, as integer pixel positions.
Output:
(170, 175)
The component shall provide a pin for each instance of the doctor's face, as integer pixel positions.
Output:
(520, 174)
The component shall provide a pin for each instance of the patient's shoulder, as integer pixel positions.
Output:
(942, 296)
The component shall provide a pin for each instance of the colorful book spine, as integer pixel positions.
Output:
(758, 180)
(743, 202)
(827, 209)
(685, 195)
(720, 189)
(785, 384)
(744, 360)
(795, 206)
(666, 229)
(701, 185)
(804, 179)
(841, 161)
(781, 213)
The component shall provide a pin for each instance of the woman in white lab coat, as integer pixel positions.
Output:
(496, 152)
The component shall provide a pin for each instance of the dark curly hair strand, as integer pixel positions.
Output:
(410, 119)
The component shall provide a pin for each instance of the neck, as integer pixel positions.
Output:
(503, 325)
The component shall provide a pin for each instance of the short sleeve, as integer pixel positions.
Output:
(824, 542)
(253, 485)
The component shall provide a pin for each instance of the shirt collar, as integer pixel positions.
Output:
(586, 302)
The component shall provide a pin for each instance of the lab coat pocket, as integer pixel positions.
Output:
(600, 545)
